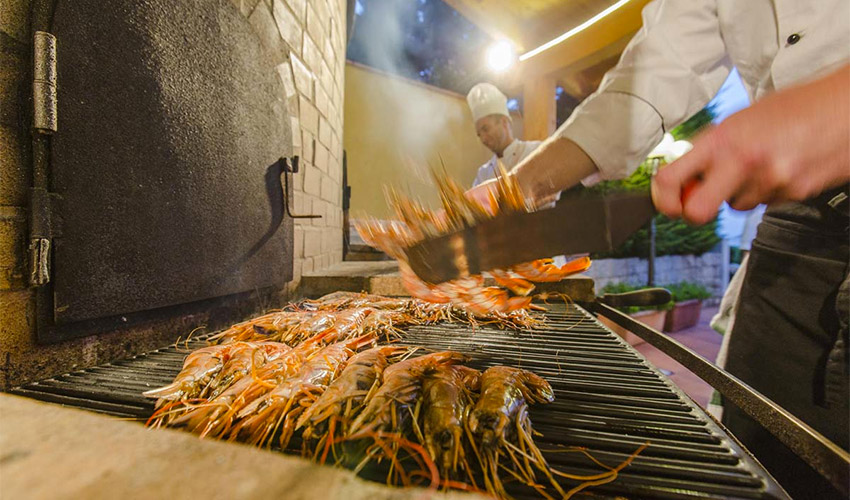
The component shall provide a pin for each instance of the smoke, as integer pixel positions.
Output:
(386, 38)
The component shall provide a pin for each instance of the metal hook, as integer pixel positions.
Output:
(287, 169)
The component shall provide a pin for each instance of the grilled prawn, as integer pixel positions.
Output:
(399, 391)
(216, 417)
(500, 425)
(285, 403)
(345, 396)
(446, 395)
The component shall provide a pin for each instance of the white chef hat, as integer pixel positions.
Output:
(485, 99)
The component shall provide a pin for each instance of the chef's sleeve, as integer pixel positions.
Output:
(670, 70)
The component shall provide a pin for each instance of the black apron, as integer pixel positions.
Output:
(789, 340)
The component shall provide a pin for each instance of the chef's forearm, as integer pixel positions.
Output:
(557, 164)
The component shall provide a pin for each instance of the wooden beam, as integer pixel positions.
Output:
(609, 30)
(539, 110)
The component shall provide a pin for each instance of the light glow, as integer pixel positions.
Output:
(501, 56)
(578, 29)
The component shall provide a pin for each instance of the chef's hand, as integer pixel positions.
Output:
(791, 145)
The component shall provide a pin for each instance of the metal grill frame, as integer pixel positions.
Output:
(608, 398)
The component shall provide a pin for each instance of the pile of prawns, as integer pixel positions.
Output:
(316, 369)
(415, 223)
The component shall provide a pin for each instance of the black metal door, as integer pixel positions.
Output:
(171, 122)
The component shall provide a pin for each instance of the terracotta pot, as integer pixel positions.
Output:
(651, 318)
(683, 315)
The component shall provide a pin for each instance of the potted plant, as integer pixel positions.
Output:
(687, 304)
(652, 316)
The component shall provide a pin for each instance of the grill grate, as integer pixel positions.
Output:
(609, 399)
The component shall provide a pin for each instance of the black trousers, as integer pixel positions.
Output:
(790, 334)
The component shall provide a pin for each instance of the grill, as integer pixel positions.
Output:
(609, 399)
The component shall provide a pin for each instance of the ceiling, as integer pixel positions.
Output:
(578, 63)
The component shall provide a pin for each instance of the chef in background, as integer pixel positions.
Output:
(790, 150)
(489, 107)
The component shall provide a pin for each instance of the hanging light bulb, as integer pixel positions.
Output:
(501, 56)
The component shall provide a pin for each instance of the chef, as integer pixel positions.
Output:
(489, 107)
(790, 149)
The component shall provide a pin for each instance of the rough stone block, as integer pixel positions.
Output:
(298, 7)
(308, 143)
(319, 208)
(299, 198)
(323, 103)
(329, 52)
(326, 76)
(284, 70)
(329, 190)
(315, 27)
(322, 158)
(335, 169)
(303, 77)
(264, 25)
(295, 125)
(296, 270)
(13, 225)
(324, 132)
(298, 244)
(15, 19)
(17, 308)
(15, 177)
(246, 7)
(324, 13)
(312, 181)
(309, 116)
(312, 242)
(288, 25)
(328, 235)
(306, 266)
(311, 55)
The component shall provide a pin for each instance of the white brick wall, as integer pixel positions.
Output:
(309, 35)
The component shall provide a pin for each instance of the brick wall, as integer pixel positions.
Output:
(308, 37)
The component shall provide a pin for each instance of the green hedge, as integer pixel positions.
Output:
(687, 290)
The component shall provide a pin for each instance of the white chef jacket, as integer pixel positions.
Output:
(511, 156)
(682, 55)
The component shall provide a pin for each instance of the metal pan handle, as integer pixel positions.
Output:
(830, 460)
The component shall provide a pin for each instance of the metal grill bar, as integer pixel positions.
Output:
(609, 399)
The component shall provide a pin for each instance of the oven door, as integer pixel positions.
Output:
(171, 124)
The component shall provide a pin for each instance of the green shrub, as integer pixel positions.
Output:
(687, 290)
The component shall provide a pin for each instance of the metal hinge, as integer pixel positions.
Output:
(44, 82)
(39, 261)
(43, 228)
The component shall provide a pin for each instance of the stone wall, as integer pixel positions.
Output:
(705, 269)
(308, 37)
